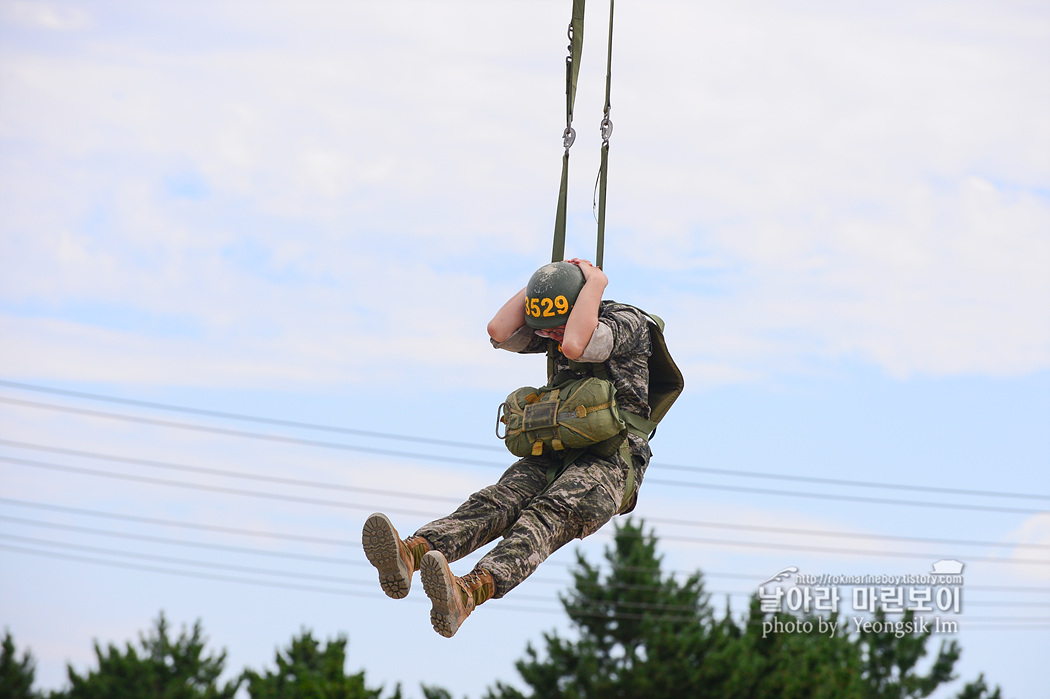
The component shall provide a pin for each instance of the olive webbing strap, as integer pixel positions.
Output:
(607, 127)
(572, 72)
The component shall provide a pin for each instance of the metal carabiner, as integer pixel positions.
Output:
(607, 129)
(568, 137)
(501, 416)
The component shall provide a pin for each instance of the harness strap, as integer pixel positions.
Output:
(630, 488)
(572, 72)
(638, 425)
(607, 127)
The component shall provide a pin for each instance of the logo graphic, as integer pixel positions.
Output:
(947, 567)
(782, 575)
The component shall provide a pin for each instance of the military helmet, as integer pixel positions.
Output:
(551, 293)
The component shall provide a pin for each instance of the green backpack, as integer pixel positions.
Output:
(581, 415)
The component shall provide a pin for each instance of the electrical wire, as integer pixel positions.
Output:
(249, 435)
(184, 573)
(370, 507)
(750, 577)
(468, 445)
(178, 542)
(211, 488)
(849, 498)
(226, 473)
(248, 418)
(714, 486)
(652, 481)
(1025, 622)
(848, 552)
(180, 524)
(339, 561)
(578, 584)
(455, 500)
(182, 561)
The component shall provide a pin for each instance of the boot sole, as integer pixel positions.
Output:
(380, 541)
(447, 614)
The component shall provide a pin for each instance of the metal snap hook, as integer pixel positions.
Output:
(568, 137)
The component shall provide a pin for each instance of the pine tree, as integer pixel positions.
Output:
(16, 676)
(642, 634)
(306, 670)
(891, 660)
(162, 669)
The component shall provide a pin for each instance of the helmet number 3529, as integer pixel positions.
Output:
(546, 307)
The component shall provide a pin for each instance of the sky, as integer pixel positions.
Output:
(305, 213)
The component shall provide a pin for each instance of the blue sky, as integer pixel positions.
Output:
(308, 212)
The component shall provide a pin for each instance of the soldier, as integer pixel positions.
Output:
(534, 517)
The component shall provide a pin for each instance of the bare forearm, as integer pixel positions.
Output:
(508, 318)
(584, 317)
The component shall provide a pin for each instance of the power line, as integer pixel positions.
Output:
(249, 435)
(184, 525)
(293, 537)
(449, 443)
(339, 561)
(280, 573)
(185, 573)
(249, 418)
(370, 507)
(457, 501)
(844, 535)
(1010, 588)
(1025, 622)
(356, 543)
(229, 474)
(183, 561)
(212, 488)
(850, 498)
(240, 549)
(179, 542)
(705, 486)
(352, 581)
(848, 552)
(855, 483)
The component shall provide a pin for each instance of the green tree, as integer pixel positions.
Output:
(162, 669)
(979, 690)
(762, 664)
(305, 670)
(640, 633)
(891, 659)
(16, 676)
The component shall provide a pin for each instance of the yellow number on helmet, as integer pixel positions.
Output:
(548, 308)
(534, 307)
(561, 304)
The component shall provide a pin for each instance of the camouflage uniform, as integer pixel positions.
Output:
(533, 519)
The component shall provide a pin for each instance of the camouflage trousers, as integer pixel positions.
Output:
(535, 520)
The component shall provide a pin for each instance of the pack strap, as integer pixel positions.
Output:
(638, 425)
(607, 127)
(630, 488)
(572, 72)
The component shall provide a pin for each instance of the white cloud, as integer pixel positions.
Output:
(1035, 531)
(805, 186)
(45, 15)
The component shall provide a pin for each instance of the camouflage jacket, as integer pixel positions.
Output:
(620, 342)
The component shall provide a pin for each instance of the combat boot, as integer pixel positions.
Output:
(453, 598)
(396, 560)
